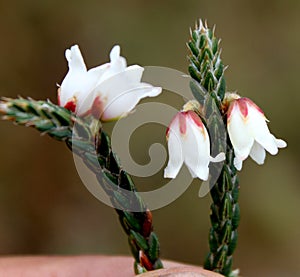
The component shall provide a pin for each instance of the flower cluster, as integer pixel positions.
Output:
(189, 142)
(112, 90)
(108, 92)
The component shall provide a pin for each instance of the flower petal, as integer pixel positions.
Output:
(238, 130)
(258, 153)
(196, 149)
(175, 151)
(117, 64)
(79, 82)
(280, 143)
(238, 163)
(75, 59)
(123, 104)
(260, 132)
(121, 93)
(115, 57)
(219, 158)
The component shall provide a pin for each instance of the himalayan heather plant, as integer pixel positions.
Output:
(87, 98)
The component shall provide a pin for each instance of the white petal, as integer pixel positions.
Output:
(121, 93)
(280, 143)
(117, 64)
(75, 84)
(85, 96)
(75, 59)
(123, 104)
(119, 83)
(259, 130)
(95, 74)
(71, 86)
(131, 74)
(238, 163)
(175, 151)
(258, 153)
(239, 134)
(115, 53)
(196, 149)
(219, 158)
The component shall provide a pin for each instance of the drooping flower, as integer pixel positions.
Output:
(188, 142)
(109, 91)
(248, 131)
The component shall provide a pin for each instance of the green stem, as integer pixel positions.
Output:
(225, 216)
(207, 69)
(95, 150)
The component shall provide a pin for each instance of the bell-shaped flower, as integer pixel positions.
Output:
(248, 131)
(108, 92)
(189, 143)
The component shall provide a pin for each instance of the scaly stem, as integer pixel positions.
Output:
(207, 69)
(96, 152)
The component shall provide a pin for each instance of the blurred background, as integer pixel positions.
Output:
(45, 208)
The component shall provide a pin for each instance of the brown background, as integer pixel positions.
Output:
(45, 209)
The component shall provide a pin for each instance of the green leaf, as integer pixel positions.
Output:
(236, 216)
(153, 247)
(225, 234)
(233, 242)
(44, 125)
(59, 134)
(132, 221)
(197, 92)
(206, 54)
(202, 41)
(193, 48)
(215, 45)
(213, 241)
(140, 241)
(134, 249)
(214, 218)
(219, 71)
(113, 163)
(209, 82)
(207, 262)
(194, 73)
(158, 264)
(226, 207)
(210, 34)
(222, 88)
(195, 35)
(104, 147)
(235, 191)
(126, 181)
(220, 258)
(138, 269)
(113, 178)
(227, 267)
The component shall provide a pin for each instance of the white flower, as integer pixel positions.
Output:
(109, 91)
(3, 107)
(188, 142)
(248, 131)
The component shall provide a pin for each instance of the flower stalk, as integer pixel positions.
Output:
(94, 149)
(207, 69)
